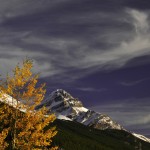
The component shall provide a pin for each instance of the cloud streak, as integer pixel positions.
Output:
(91, 89)
(133, 83)
(132, 113)
(63, 51)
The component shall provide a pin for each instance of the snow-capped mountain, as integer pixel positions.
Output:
(66, 107)
(69, 108)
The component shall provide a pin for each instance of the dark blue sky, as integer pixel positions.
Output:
(98, 50)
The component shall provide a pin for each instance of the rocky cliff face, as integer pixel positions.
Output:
(63, 104)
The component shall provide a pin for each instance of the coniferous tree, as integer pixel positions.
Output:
(25, 129)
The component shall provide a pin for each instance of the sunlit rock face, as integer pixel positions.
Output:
(63, 104)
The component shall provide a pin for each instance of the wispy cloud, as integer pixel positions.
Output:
(132, 113)
(91, 89)
(10, 58)
(85, 56)
(69, 54)
(140, 21)
(13, 8)
(132, 83)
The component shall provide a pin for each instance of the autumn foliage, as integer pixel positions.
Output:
(26, 129)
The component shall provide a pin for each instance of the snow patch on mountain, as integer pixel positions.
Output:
(5, 98)
(141, 137)
(63, 117)
(61, 102)
(8, 99)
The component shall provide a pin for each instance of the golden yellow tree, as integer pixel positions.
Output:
(23, 128)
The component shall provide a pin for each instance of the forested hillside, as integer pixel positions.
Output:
(75, 136)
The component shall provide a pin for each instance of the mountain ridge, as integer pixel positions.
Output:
(79, 113)
(66, 107)
(62, 103)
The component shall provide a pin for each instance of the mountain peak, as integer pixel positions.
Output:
(60, 92)
(59, 100)
(59, 95)
(62, 103)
